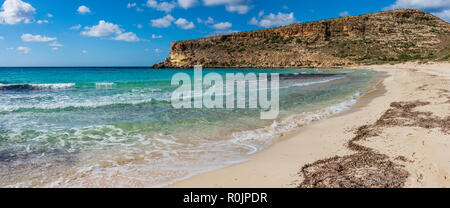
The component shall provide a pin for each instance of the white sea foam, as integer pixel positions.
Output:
(104, 85)
(256, 140)
(43, 85)
(316, 82)
(48, 100)
(54, 85)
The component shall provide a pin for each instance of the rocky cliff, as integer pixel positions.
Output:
(390, 36)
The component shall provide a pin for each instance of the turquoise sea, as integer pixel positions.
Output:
(115, 127)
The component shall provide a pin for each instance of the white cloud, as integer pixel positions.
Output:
(221, 2)
(161, 6)
(343, 14)
(285, 7)
(273, 20)
(55, 48)
(23, 49)
(49, 15)
(222, 26)
(156, 36)
(445, 15)
(260, 13)
(184, 24)
(240, 9)
(84, 52)
(16, 11)
(210, 20)
(167, 20)
(163, 22)
(55, 44)
(186, 4)
(239, 6)
(134, 5)
(128, 37)
(139, 26)
(83, 10)
(2, 38)
(102, 29)
(42, 21)
(420, 4)
(36, 38)
(157, 50)
(76, 27)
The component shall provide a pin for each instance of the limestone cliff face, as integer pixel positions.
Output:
(390, 36)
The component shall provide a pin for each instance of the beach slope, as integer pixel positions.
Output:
(396, 136)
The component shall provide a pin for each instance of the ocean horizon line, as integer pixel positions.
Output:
(75, 66)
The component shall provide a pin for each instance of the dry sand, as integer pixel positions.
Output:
(396, 136)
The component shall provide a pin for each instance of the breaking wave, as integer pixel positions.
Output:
(28, 87)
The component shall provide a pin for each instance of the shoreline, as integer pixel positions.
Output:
(279, 165)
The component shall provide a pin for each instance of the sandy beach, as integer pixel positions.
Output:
(396, 136)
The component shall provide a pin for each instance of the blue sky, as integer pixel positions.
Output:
(139, 32)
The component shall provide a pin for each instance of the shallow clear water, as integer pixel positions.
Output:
(109, 127)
